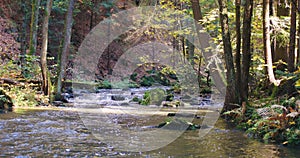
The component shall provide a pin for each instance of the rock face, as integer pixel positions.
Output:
(5, 102)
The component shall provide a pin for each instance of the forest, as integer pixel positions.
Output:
(154, 54)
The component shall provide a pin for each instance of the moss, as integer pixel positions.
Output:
(136, 99)
(147, 81)
(105, 85)
(154, 97)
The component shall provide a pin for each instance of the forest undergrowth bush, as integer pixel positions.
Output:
(270, 119)
(20, 90)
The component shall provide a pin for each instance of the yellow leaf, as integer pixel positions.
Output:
(285, 143)
(292, 123)
(297, 83)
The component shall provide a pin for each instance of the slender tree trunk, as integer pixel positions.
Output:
(198, 16)
(196, 10)
(34, 26)
(183, 48)
(23, 31)
(298, 56)
(190, 52)
(230, 98)
(246, 47)
(62, 57)
(92, 14)
(267, 42)
(45, 85)
(292, 45)
(238, 47)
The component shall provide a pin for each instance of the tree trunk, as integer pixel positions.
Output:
(246, 47)
(298, 52)
(34, 26)
(23, 32)
(230, 98)
(197, 16)
(191, 52)
(238, 47)
(196, 10)
(267, 42)
(45, 84)
(216, 70)
(62, 57)
(92, 8)
(291, 54)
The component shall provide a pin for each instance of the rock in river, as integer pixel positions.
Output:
(117, 98)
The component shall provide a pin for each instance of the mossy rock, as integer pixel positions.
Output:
(154, 97)
(117, 98)
(5, 102)
(172, 104)
(105, 85)
(176, 89)
(136, 99)
(206, 90)
(178, 124)
(170, 97)
(151, 79)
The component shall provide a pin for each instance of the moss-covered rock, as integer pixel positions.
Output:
(154, 97)
(5, 102)
(178, 124)
(136, 99)
(172, 104)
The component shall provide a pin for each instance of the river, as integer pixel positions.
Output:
(64, 132)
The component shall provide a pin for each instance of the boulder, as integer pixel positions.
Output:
(6, 103)
(172, 104)
(117, 98)
(154, 96)
(178, 124)
(125, 104)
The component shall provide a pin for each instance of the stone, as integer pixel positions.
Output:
(154, 96)
(125, 104)
(6, 103)
(172, 104)
(178, 124)
(117, 98)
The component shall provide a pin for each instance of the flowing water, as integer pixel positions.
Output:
(63, 132)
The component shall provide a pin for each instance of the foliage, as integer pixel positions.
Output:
(147, 81)
(280, 28)
(31, 68)
(10, 69)
(25, 96)
(280, 123)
